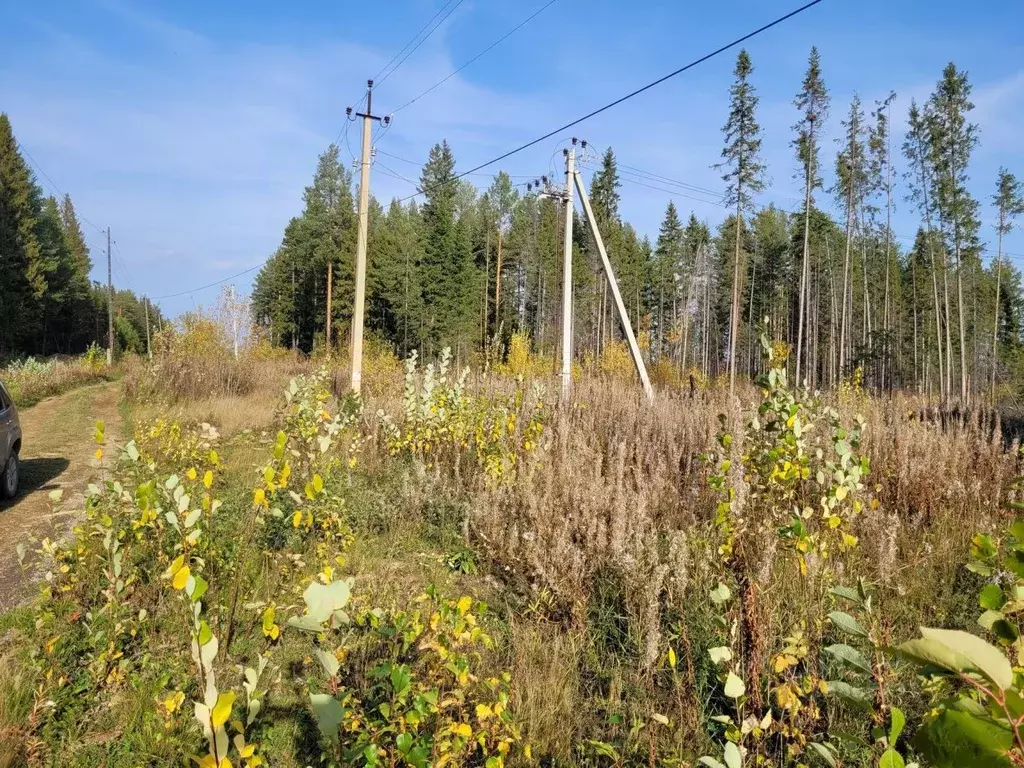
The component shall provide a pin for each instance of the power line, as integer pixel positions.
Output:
(637, 92)
(209, 285)
(421, 42)
(394, 174)
(490, 175)
(53, 186)
(482, 53)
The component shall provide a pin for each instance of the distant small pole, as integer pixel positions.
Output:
(364, 217)
(110, 305)
(149, 351)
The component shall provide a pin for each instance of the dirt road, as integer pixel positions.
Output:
(57, 453)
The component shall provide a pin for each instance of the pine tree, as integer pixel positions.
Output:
(879, 147)
(744, 177)
(1009, 201)
(813, 104)
(502, 198)
(952, 140)
(921, 182)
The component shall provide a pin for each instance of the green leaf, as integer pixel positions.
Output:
(720, 594)
(1005, 631)
(847, 593)
(991, 597)
(891, 759)
(957, 651)
(710, 762)
(964, 740)
(720, 654)
(826, 752)
(988, 618)
(199, 588)
(404, 742)
(734, 686)
(329, 714)
(400, 679)
(846, 623)
(733, 759)
(851, 657)
(1017, 529)
(852, 695)
(132, 451)
(328, 661)
(897, 722)
(322, 600)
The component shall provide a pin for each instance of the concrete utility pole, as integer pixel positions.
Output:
(110, 306)
(364, 214)
(567, 318)
(634, 348)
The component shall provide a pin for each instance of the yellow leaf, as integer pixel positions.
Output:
(463, 730)
(275, 632)
(222, 709)
(192, 473)
(225, 763)
(208, 761)
(181, 577)
(99, 454)
(174, 701)
(247, 750)
(671, 658)
(208, 478)
(528, 752)
(318, 483)
(464, 605)
(834, 521)
(841, 492)
(176, 565)
(259, 497)
(297, 518)
(483, 712)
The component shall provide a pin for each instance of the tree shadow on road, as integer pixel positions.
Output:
(36, 475)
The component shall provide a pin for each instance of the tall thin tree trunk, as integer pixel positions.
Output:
(804, 264)
(735, 320)
(846, 281)
(995, 315)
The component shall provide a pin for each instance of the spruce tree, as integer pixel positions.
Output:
(22, 278)
(1009, 201)
(952, 139)
(813, 104)
(669, 268)
(851, 181)
(744, 177)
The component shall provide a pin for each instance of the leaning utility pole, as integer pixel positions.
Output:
(634, 348)
(570, 173)
(110, 306)
(364, 212)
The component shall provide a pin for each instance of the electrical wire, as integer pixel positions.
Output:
(53, 186)
(636, 92)
(209, 285)
(480, 55)
(421, 42)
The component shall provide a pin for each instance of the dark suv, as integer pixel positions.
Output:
(10, 445)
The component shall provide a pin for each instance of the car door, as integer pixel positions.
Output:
(6, 425)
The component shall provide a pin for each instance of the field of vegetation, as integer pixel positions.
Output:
(457, 569)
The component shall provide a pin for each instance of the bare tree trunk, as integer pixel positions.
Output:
(804, 265)
(735, 320)
(995, 315)
(846, 281)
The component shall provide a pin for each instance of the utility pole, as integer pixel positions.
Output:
(149, 351)
(634, 348)
(110, 306)
(570, 173)
(364, 214)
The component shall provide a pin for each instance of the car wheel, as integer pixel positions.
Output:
(9, 481)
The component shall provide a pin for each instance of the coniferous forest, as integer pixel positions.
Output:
(460, 266)
(48, 304)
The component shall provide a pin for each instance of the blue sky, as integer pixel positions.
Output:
(191, 128)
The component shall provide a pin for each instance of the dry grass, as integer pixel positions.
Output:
(31, 380)
(603, 543)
